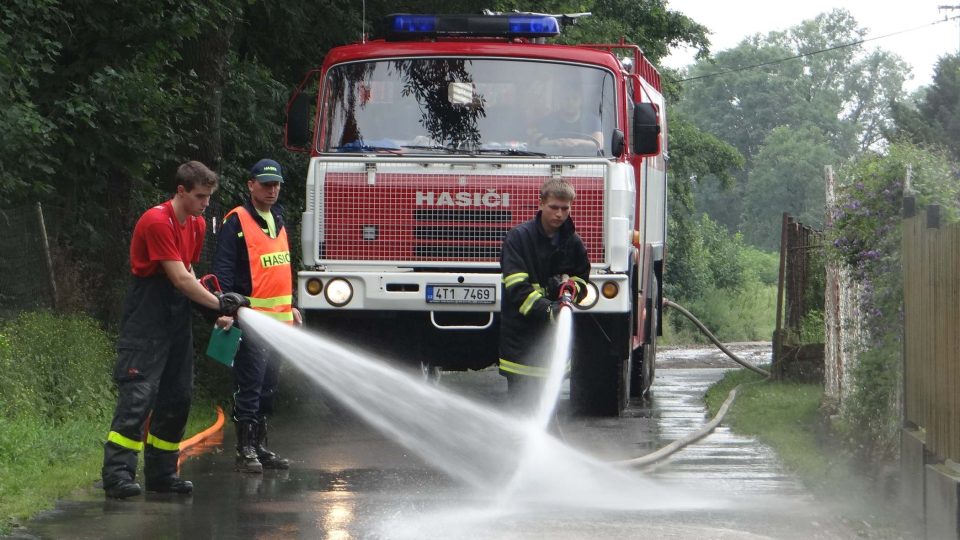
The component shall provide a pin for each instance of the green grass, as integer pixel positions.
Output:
(41, 461)
(786, 417)
(783, 415)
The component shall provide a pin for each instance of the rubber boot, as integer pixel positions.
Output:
(160, 472)
(170, 484)
(123, 489)
(247, 448)
(268, 459)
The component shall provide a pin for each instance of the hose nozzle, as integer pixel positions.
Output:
(567, 293)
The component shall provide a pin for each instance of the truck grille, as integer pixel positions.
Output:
(400, 214)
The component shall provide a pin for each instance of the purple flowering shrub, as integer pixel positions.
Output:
(865, 238)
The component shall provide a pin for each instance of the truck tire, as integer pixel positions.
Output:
(644, 358)
(599, 375)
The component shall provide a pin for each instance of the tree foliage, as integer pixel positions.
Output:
(787, 177)
(933, 118)
(837, 94)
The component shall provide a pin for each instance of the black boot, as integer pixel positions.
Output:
(170, 484)
(122, 489)
(268, 459)
(247, 447)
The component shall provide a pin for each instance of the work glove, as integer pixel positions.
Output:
(554, 283)
(231, 302)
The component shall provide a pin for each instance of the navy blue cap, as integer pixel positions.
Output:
(267, 170)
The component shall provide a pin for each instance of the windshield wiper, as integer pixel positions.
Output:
(509, 152)
(434, 147)
(366, 148)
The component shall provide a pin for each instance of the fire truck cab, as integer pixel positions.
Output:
(429, 145)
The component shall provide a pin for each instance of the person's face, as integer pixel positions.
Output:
(554, 212)
(196, 200)
(263, 194)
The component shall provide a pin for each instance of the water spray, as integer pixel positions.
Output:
(492, 452)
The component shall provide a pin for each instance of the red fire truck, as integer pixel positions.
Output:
(429, 145)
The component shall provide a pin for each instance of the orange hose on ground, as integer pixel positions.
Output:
(217, 426)
(199, 438)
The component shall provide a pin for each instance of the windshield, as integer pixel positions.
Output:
(457, 106)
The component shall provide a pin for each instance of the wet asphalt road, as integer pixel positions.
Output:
(347, 481)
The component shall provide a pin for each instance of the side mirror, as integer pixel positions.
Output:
(298, 134)
(646, 129)
(617, 143)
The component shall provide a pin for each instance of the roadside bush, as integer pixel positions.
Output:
(731, 289)
(56, 367)
(866, 239)
(57, 399)
(747, 314)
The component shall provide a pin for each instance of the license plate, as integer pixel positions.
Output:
(461, 294)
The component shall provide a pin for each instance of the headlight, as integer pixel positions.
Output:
(591, 297)
(338, 292)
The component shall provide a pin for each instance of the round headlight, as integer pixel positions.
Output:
(610, 289)
(314, 286)
(338, 292)
(591, 297)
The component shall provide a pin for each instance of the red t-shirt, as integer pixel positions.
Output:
(159, 237)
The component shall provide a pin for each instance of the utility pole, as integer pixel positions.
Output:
(951, 8)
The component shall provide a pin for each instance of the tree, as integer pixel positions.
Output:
(933, 117)
(27, 137)
(842, 91)
(788, 177)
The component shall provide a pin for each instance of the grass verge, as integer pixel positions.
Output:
(786, 416)
(42, 461)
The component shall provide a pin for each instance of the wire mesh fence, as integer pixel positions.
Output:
(26, 276)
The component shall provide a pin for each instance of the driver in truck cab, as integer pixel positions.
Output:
(536, 258)
(569, 129)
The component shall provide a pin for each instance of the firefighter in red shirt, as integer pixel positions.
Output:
(253, 259)
(154, 369)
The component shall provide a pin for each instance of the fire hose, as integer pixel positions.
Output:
(677, 445)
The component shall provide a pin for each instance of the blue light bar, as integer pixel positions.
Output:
(413, 24)
(406, 26)
(534, 24)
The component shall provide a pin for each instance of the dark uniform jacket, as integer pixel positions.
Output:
(527, 260)
(231, 264)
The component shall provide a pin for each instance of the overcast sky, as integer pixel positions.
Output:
(732, 20)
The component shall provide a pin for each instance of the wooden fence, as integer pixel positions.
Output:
(931, 269)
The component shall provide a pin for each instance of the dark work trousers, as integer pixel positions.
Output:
(154, 376)
(255, 374)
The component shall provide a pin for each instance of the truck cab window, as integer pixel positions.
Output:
(407, 106)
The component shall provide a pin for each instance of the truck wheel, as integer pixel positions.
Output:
(599, 376)
(644, 358)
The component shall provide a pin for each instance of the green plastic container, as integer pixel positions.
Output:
(224, 344)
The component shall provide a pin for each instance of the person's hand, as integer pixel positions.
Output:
(554, 283)
(297, 317)
(231, 302)
(224, 322)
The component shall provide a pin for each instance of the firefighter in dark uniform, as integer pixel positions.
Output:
(253, 259)
(536, 259)
(154, 369)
